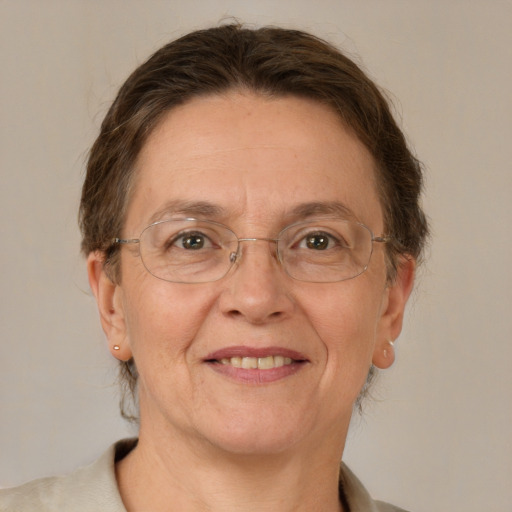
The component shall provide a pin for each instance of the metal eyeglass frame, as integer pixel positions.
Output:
(235, 256)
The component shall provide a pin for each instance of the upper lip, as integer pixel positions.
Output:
(242, 351)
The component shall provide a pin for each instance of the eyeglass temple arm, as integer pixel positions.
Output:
(382, 239)
(125, 240)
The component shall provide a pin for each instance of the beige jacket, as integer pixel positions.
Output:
(94, 489)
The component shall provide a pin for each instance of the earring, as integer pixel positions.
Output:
(116, 347)
(391, 344)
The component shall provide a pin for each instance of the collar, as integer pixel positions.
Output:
(94, 488)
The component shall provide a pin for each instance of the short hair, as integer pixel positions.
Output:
(270, 61)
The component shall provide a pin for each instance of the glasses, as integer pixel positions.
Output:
(199, 251)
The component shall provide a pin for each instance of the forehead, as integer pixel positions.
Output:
(253, 157)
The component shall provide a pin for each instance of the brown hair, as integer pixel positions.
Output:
(271, 61)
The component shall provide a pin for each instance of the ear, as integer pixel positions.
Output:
(392, 315)
(110, 306)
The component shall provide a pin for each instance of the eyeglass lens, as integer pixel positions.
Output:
(194, 251)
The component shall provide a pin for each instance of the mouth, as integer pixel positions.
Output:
(255, 364)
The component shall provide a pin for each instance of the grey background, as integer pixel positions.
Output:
(437, 436)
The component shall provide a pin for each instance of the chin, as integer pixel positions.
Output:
(247, 444)
(239, 437)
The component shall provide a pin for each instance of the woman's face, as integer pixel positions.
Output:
(256, 165)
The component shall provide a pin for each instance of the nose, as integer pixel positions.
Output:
(257, 289)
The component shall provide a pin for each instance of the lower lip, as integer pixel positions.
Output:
(255, 376)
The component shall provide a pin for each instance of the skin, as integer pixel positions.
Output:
(208, 441)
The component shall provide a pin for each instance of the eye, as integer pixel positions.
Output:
(191, 241)
(319, 241)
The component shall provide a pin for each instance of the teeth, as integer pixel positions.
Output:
(249, 363)
(236, 362)
(279, 361)
(257, 363)
(264, 363)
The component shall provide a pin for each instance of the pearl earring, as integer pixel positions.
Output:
(392, 344)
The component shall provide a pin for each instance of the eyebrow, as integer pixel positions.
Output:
(205, 209)
(188, 209)
(314, 208)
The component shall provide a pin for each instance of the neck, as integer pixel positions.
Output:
(170, 475)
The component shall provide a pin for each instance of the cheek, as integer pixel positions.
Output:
(346, 320)
(163, 319)
(348, 311)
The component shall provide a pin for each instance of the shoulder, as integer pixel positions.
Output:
(386, 507)
(87, 489)
(357, 498)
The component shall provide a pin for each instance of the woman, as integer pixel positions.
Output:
(251, 223)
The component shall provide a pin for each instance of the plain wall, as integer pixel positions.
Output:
(437, 436)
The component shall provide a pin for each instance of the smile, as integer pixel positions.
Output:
(251, 365)
(257, 363)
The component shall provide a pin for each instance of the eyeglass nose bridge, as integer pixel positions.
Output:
(235, 257)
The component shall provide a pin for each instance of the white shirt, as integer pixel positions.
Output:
(94, 488)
